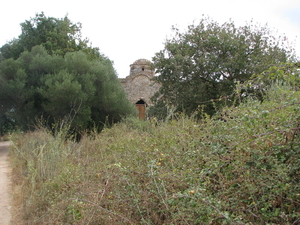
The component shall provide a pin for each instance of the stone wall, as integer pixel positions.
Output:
(138, 84)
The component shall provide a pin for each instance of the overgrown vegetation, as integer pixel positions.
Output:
(239, 167)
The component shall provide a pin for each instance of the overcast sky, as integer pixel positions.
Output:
(127, 30)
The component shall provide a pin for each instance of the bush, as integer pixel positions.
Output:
(239, 167)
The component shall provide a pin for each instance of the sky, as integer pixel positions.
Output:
(128, 30)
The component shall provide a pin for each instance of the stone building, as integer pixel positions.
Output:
(138, 85)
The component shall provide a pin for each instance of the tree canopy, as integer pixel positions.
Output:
(58, 36)
(58, 79)
(207, 60)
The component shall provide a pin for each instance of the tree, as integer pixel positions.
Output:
(85, 92)
(206, 61)
(12, 82)
(50, 73)
(58, 36)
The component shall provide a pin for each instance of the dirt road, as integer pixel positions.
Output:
(5, 198)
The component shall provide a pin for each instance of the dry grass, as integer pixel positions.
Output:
(243, 171)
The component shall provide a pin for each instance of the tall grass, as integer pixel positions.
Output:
(242, 171)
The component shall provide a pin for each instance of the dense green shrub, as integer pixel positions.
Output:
(239, 167)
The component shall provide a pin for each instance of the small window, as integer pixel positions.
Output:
(143, 68)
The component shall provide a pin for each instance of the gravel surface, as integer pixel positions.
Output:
(5, 198)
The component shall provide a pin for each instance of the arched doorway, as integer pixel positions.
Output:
(141, 106)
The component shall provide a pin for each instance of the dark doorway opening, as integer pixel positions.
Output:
(141, 101)
(141, 106)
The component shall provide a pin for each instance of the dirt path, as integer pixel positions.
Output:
(5, 198)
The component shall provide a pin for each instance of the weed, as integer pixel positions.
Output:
(182, 171)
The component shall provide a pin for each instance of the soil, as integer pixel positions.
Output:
(5, 185)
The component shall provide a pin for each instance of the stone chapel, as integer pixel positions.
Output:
(138, 85)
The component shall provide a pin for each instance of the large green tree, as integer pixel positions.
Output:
(57, 77)
(85, 92)
(207, 60)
